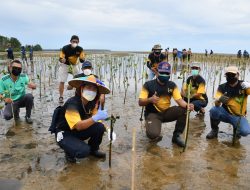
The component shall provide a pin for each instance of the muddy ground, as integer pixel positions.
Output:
(30, 158)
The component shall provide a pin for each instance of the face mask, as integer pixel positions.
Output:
(163, 78)
(89, 95)
(16, 71)
(231, 79)
(73, 45)
(195, 72)
(157, 53)
(87, 72)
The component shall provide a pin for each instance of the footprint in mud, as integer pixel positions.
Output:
(10, 133)
(30, 146)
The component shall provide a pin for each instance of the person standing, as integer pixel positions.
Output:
(230, 104)
(189, 55)
(9, 51)
(23, 54)
(12, 90)
(154, 58)
(69, 56)
(156, 97)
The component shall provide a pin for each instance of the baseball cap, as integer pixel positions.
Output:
(86, 64)
(231, 69)
(164, 67)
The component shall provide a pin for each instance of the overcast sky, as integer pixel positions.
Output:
(221, 25)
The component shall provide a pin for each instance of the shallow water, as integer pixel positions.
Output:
(30, 158)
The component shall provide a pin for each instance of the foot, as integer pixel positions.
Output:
(70, 159)
(156, 139)
(28, 120)
(17, 118)
(178, 141)
(98, 154)
(212, 134)
(60, 101)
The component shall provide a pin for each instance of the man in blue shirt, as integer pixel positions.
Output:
(12, 90)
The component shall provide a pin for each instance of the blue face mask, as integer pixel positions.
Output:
(195, 72)
(164, 78)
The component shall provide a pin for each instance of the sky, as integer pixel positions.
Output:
(130, 25)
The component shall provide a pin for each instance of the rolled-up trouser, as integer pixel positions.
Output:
(26, 101)
(73, 141)
(220, 114)
(154, 121)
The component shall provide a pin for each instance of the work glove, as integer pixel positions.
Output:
(224, 99)
(245, 85)
(100, 115)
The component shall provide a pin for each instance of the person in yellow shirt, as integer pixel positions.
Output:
(79, 120)
(69, 56)
(156, 97)
(198, 90)
(230, 104)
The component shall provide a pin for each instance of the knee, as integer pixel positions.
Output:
(83, 152)
(29, 97)
(214, 112)
(99, 127)
(8, 117)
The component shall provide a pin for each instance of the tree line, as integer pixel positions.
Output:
(15, 44)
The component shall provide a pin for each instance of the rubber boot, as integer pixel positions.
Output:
(177, 140)
(215, 129)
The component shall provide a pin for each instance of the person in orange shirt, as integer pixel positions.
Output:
(156, 97)
(230, 104)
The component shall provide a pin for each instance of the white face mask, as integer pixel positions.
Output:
(89, 95)
(73, 45)
(87, 72)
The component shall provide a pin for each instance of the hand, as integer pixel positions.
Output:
(224, 99)
(8, 100)
(100, 115)
(191, 107)
(154, 99)
(245, 85)
(32, 85)
(63, 60)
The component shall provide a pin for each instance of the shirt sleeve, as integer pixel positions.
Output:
(82, 57)
(217, 95)
(62, 54)
(201, 89)
(2, 88)
(26, 79)
(143, 93)
(248, 91)
(176, 94)
(72, 118)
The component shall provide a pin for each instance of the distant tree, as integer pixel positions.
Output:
(15, 43)
(37, 47)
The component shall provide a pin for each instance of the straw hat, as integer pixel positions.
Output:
(78, 82)
(157, 47)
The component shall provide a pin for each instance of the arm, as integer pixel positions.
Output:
(145, 100)
(184, 104)
(62, 57)
(82, 56)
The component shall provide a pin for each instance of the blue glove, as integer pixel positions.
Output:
(100, 115)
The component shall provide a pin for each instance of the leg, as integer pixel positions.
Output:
(153, 125)
(7, 113)
(244, 127)
(199, 104)
(73, 146)
(27, 101)
(62, 78)
(176, 113)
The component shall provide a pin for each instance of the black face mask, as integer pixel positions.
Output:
(16, 71)
(157, 53)
(231, 78)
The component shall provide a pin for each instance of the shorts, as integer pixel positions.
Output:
(64, 69)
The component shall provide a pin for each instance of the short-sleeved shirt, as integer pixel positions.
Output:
(237, 103)
(72, 54)
(153, 60)
(198, 87)
(164, 92)
(13, 89)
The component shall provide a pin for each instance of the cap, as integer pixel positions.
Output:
(157, 47)
(74, 37)
(231, 69)
(195, 64)
(78, 82)
(164, 67)
(86, 64)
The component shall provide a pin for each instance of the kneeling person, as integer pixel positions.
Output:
(12, 90)
(156, 97)
(230, 104)
(79, 118)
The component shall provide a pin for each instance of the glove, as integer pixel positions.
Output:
(224, 99)
(245, 85)
(100, 115)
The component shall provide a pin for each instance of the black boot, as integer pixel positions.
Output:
(98, 154)
(215, 129)
(177, 140)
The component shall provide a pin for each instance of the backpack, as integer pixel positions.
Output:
(54, 120)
